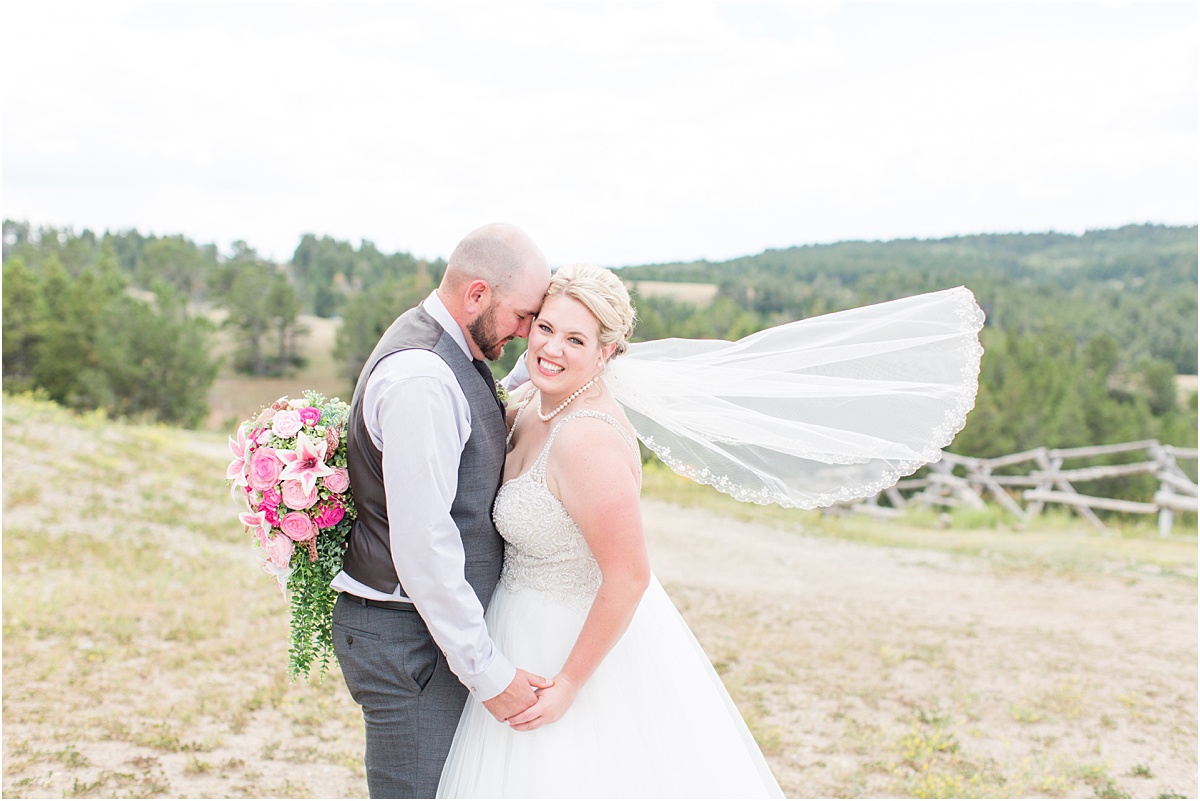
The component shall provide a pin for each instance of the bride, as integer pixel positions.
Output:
(635, 708)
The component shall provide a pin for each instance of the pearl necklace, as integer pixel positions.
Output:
(546, 418)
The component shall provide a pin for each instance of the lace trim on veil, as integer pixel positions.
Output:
(814, 412)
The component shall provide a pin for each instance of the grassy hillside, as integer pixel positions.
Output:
(145, 650)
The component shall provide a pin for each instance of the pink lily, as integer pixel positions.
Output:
(306, 463)
(237, 468)
(257, 521)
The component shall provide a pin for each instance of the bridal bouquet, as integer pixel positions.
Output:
(289, 467)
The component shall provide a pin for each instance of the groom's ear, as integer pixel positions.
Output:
(477, 296)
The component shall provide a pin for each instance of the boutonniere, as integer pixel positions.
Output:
(501, 393)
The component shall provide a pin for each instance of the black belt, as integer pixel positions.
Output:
(402, 606)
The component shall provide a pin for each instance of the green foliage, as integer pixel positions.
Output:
(154, 359)
(1084, 335)
(175, 261)
(312, 601)
(22, 319)
(1038, 389)
(368, 314)
(87, 343)
(142, 260)
(1109, 790)
(1135, 284)
(332, 272)
(264, 314)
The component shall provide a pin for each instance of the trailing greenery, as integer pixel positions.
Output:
(312, 601)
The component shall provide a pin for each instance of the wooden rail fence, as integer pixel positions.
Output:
(1046, 479)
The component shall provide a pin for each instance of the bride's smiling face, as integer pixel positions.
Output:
(564, 346)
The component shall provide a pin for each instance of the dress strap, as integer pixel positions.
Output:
(520, 410)
(539, 467)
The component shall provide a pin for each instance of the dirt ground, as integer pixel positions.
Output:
(144, 648)
(862, 668)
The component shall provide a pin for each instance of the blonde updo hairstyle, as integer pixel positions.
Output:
(604, 295)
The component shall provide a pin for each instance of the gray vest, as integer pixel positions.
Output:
(368, 555)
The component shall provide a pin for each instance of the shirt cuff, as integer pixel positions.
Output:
(493, 681)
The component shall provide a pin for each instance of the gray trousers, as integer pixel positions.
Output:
(411, 701)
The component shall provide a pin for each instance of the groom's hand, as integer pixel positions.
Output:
(517, 697)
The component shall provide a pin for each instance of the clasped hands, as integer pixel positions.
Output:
(531, 701)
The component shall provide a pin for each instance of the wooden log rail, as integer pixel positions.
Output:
(1046, 481)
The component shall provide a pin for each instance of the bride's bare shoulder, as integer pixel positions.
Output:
(593, 441)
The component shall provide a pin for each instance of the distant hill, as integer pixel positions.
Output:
(1136, 284)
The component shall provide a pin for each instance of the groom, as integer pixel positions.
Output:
(425, 449)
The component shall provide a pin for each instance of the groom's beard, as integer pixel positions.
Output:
(483, 331)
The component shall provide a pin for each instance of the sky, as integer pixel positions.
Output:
(614, 133)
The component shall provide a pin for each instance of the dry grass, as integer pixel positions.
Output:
(144, 650)
(699, 295)
(234, 397)
(894, 659)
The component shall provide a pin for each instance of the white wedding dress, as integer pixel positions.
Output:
(654, 720)
(806, 414)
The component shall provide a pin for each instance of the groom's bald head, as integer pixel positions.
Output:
(494, 285)
(502, 255)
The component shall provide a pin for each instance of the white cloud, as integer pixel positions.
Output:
(617, 133)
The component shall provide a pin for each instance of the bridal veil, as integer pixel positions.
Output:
(814, 412)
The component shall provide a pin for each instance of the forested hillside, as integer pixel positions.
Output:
(1085, 334)
(1135, 284)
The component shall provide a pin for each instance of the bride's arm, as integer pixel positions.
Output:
(593, 472)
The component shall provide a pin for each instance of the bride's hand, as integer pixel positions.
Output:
(552, 704)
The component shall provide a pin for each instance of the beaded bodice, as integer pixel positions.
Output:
(544, 549)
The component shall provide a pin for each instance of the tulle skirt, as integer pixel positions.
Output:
(654, 721)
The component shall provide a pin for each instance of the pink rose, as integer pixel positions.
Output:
(310, 415)
(271, 497)
(329, 515)
(295, 497)
(286, 423)
(265, 468)
(270, 514)
(279, 551)
(298, 526)
(338, 481)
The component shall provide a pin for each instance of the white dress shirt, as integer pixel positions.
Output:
(417, 415)
(517, 376)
